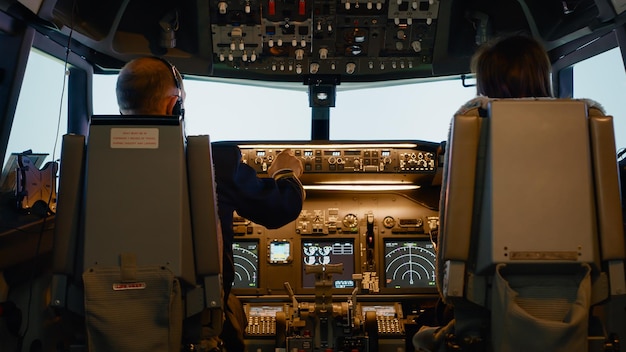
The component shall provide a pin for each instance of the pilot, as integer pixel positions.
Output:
(152, 86)
(512, 66)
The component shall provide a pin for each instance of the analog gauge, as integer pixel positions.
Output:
(350, 221)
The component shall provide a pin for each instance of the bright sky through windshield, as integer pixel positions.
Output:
(240, 112)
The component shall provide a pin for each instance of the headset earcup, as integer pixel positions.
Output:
(177, 109)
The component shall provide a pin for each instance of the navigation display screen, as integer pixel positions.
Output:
(409, 264)
(322, 252)
(246, 258)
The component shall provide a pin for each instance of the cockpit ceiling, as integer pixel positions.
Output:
(319, 40)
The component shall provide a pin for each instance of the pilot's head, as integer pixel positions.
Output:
(515, 66)
(150, 86)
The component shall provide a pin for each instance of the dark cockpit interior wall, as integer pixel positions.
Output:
(372, 208)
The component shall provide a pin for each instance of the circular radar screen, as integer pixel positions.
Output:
(246, 258)
(409, 264)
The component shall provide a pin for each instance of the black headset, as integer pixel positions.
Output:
(179, 108)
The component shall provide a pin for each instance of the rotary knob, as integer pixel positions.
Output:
(351, 221)
(389, 222)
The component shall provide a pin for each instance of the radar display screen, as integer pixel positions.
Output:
(246, 258)
(320, 252)
(409, 264)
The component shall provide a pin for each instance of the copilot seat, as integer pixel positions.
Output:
(531, 248)
(137, 244)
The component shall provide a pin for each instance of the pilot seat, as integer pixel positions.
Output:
(138, 248)
(531, 249)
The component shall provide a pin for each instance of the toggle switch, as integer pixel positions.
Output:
(222, 6)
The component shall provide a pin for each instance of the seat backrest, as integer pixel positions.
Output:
(140, 217)
(530, 190)
(136, 194)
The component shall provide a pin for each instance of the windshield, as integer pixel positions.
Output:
(227, 111)
(418, 111)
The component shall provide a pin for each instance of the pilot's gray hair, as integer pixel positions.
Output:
(141, 84)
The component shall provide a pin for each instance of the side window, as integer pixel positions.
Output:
(603, 79)
(41, 114)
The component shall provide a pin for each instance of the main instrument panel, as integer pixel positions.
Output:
(357, 266)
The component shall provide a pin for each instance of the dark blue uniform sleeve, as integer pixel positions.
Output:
(265, 201)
